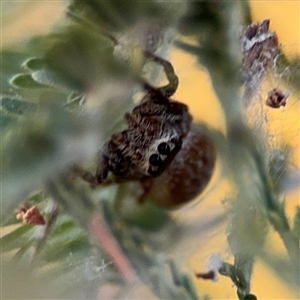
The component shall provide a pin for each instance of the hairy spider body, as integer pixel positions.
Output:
(162, 148)
(152, 140)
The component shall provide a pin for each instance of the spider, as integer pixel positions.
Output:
(172, 157)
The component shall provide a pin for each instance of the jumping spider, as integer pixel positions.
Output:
(162, 148)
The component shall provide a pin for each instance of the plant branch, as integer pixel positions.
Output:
(77, 203)
(46, 230)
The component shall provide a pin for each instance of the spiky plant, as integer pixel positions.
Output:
(57, 96)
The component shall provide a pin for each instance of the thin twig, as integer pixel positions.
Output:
(47, 228)
(107, 242)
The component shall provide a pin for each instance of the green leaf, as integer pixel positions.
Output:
(63, 224)
(49, 143)
(6, 120)
(66, 229)
(66, 237)
(23, 250)
(17, 106)
(74, 100)
(9, 220)
(16, 238)
(148, 216)
(36, 198)
(25, 81)
(34, 64)
(41, 73)
(296, 223)
(10, 65)
(50, 78)
(82, 57)
(117, 15)
(182, 280)
(50, 95)
(59, 249)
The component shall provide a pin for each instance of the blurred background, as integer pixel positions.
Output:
(22, 20)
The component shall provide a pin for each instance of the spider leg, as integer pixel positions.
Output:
(133, 120)
(169, 89)
(101, 175)
(93, 180)
(84, 174)
(173, 112)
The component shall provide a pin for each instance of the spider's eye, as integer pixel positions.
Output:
(163, 149)
(174, 141)
(155, 160)
(154, 173)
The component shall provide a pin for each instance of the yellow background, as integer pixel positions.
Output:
(195, 90)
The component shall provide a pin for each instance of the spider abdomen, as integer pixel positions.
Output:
(188, 174)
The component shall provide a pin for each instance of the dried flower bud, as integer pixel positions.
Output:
(276, 98)
(259, 47)
(30, 215)
(211, 275)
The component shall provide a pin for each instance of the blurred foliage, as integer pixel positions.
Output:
(51, 252)
(288, 70)
(59, 102)
(245, 162)
(296, 227)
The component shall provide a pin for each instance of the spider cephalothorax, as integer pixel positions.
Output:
(156, 129)
(162, 148)
(138, 152)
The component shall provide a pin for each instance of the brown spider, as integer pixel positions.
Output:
(162, 148)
